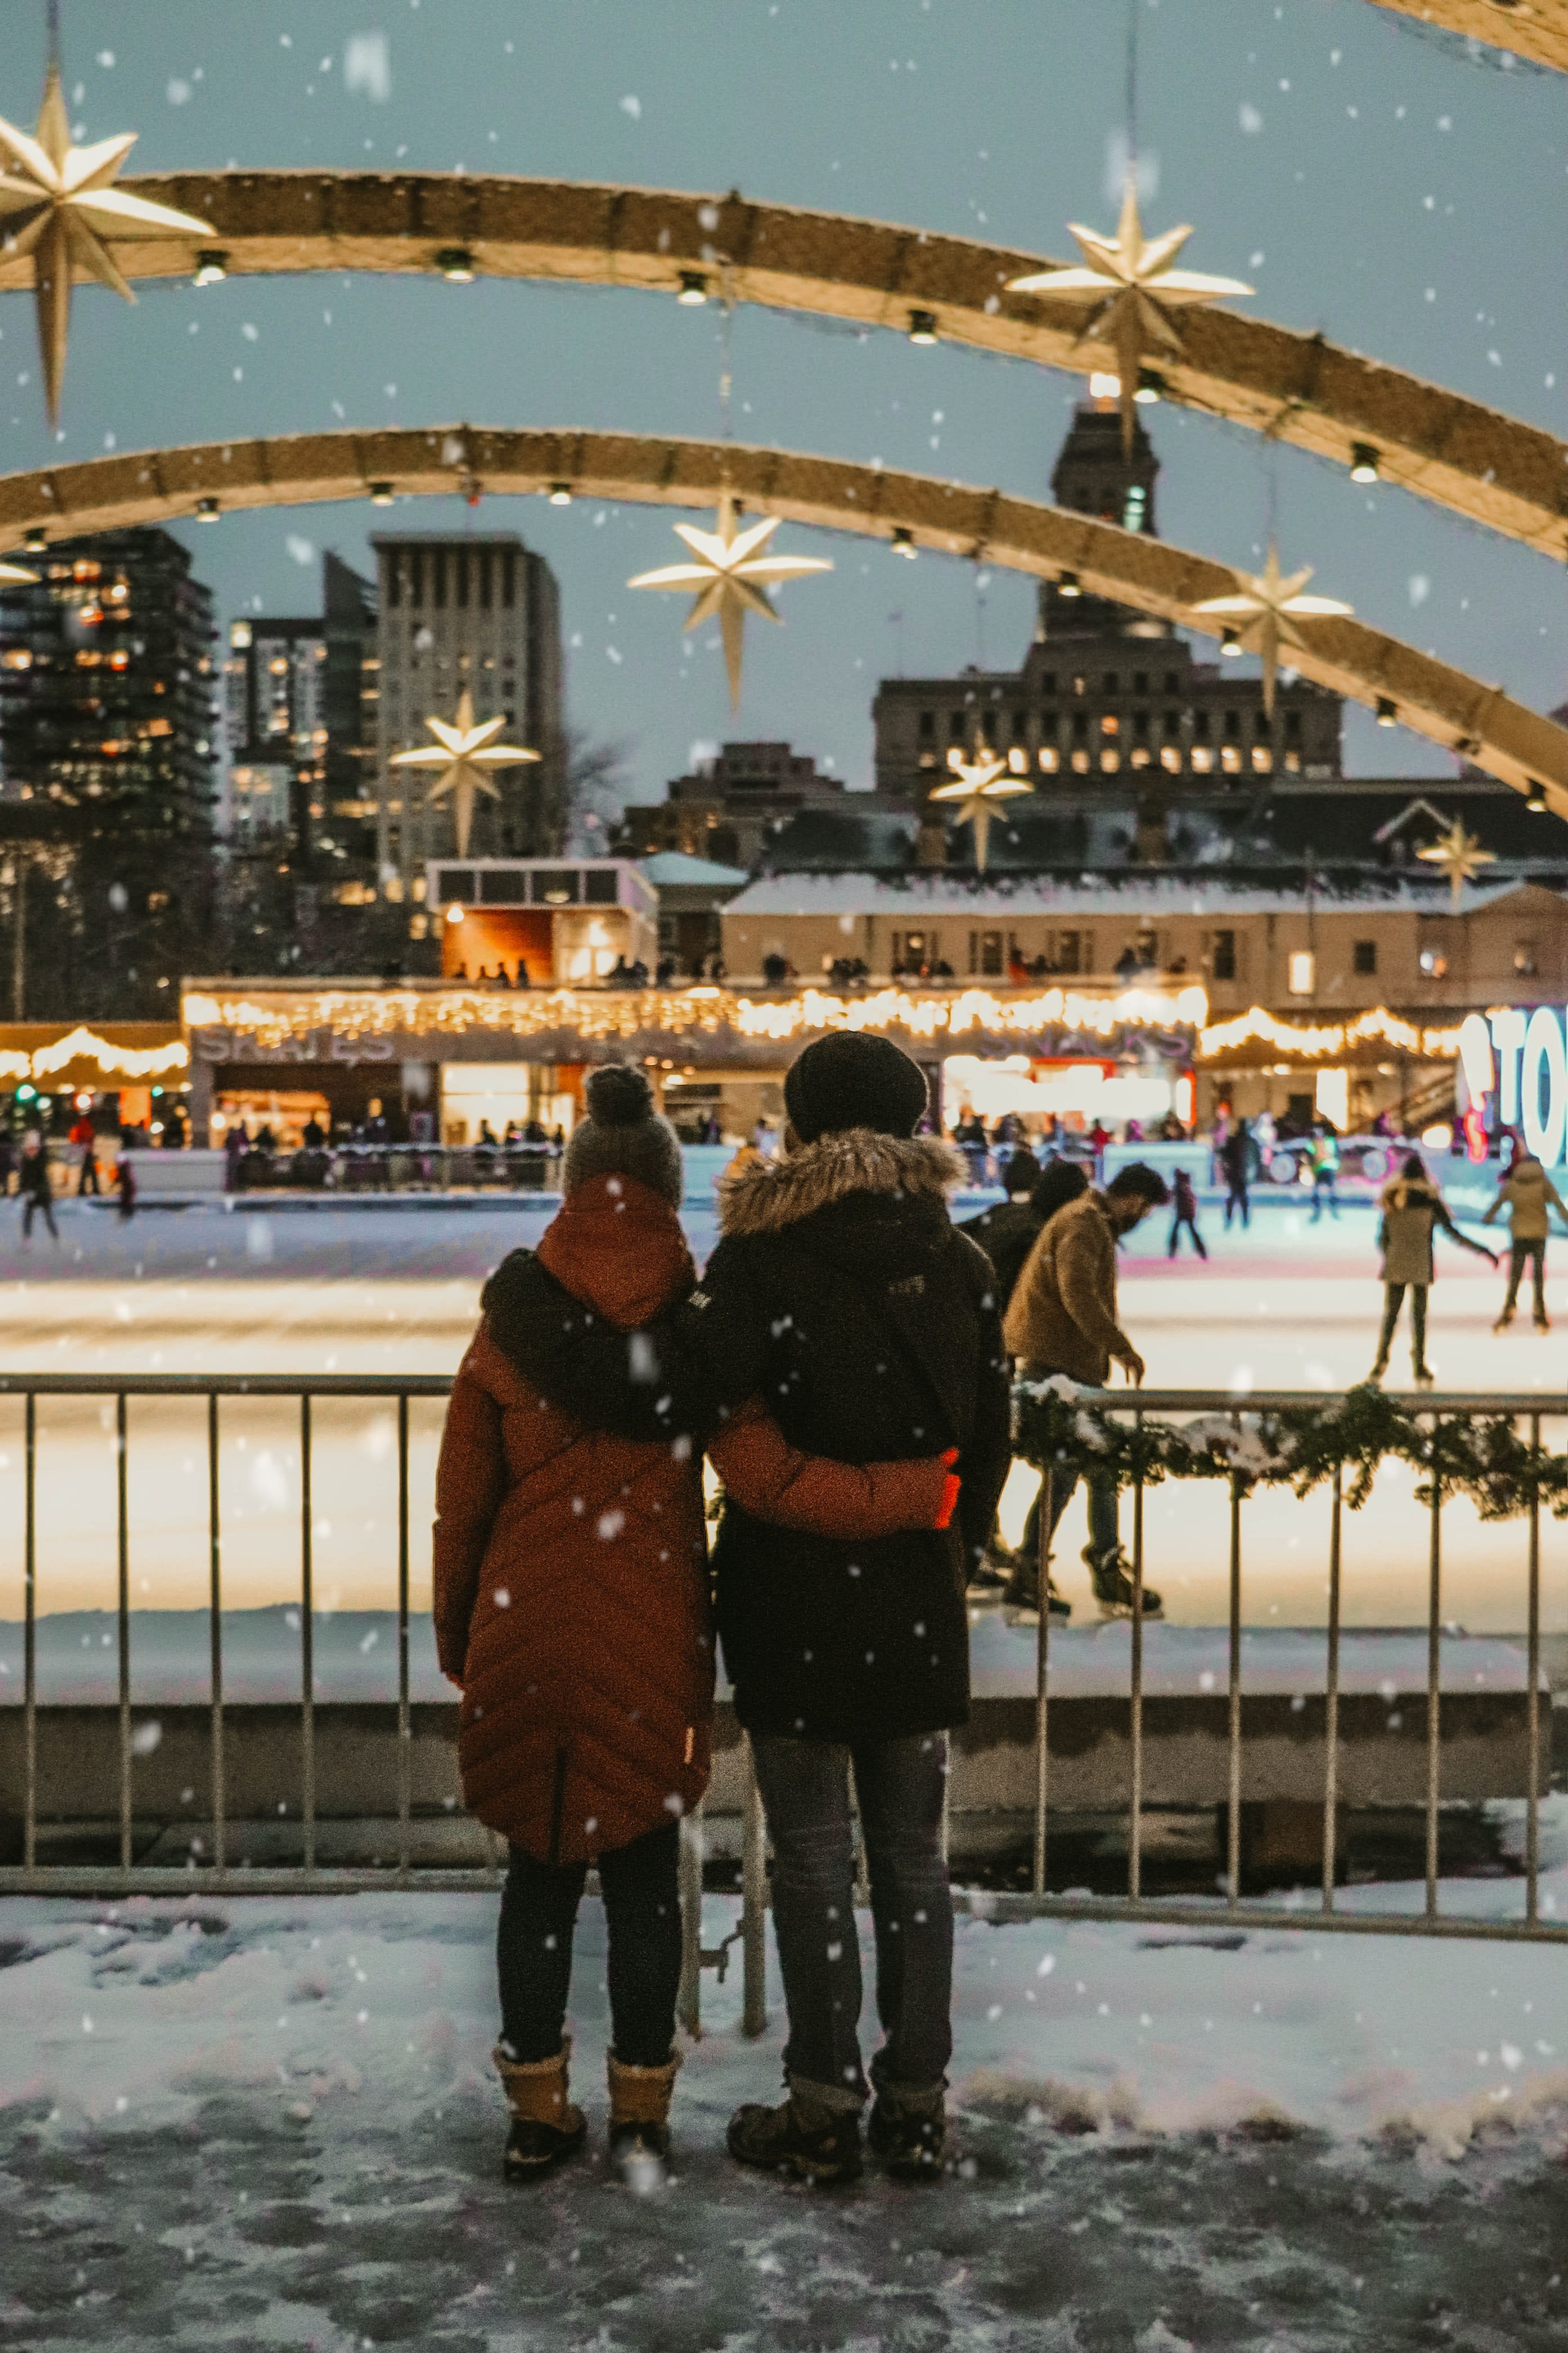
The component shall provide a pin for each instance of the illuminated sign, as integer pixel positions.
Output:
(1521, 1058)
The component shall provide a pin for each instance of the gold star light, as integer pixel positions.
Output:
(1266, 612)
(1460, 856)
(464, 752)
(57, 205)
(977, 786)
(732, 576)
(1139, 288)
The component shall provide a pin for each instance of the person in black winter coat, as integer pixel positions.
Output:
(1008, 1232)
(841, 1292)
(34, 1186)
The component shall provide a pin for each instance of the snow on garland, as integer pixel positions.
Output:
(1485, 1456)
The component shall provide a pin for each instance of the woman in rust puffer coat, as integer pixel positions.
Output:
(570, 1605)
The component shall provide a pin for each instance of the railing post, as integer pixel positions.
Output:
(1532, 1705)
(1135, 1825)
(122, 1547)
(754, 1903)
(1042, 1678)
(214, 1611)
(1434, 1674)
(30, 1635)
(689, 2002)
(1233, 1825)
(307, 1641)
(1331, 1695)
(404, 1727)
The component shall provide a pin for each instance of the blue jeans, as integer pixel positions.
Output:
(1104, 1521)
(804, 1787)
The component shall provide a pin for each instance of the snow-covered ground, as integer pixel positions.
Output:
(268, 2122)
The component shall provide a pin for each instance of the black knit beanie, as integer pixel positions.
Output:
(622, 1136)
(853, 1081)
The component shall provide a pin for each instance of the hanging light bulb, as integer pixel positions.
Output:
(212, 267)
(903, 541)
(1069, 585)
(1363, 462)
(456, 263)
(922, 327)
(693, 292)
(1536, 804)
(206, 511)
(1151, 387)
(1387, 712)
(380, 494)
(1230, 645)
(560, 494)
(36, 540)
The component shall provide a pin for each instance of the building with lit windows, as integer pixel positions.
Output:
(479, 610)
(300, 705)
(1109, 710)
(110, 731)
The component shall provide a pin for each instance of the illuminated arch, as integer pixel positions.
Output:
(1021, 534)
(1532, 28)
(1494, 470)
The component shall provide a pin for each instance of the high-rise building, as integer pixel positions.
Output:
(109, 717)
(300, 715)
(479, 611)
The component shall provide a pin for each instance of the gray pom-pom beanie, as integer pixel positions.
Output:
(622, 1136)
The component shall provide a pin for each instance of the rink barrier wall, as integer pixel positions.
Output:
(126, 1878)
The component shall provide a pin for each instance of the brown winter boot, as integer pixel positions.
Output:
(545, 2126)
(640, 2117)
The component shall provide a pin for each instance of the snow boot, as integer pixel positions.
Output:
(639, 2119)
(1543, 1322)
(1110, 1574)
(806, 2136)
(1504, 1320)
(908, 2131)
(989, 1581)
(545, 2126)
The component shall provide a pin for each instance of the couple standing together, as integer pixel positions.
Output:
(843, 1365)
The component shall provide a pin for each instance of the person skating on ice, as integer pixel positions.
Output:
(1527, 1194)
(1412, 1210)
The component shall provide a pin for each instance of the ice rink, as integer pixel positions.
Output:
(1287, 1304)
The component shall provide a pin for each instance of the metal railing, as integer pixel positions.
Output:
(312, 1875)
(401, 1168)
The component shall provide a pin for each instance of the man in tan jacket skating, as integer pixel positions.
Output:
(1062, 1320)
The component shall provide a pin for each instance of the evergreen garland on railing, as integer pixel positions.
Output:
(1487, 1457)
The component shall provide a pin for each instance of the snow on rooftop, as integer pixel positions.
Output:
(931, 895)
(668, 868)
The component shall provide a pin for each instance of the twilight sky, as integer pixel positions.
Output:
(1406, 198)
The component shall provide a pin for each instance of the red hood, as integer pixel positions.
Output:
(616, 1245)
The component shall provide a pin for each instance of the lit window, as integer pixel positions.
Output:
(1203, 759)
(1433, 963)
(1080, 763)
(1110, 724)
(1141, 756)
(1262, 759)
(1048, 759)
(1171, 757)
(1018, 760)
(1109, 762)
(1303, 972)
(1230, 758)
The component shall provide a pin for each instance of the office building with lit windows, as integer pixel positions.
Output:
(479, 610)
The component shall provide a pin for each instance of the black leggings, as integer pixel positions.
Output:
(534, 1949)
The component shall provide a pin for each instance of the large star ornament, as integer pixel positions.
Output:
(731, 575)
(1264, 613)
(57, 205)
(978, 787)
(1460, 856)
(1139, 286)
(465, 753)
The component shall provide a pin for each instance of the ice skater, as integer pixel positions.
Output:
(1325, 1171)
(33, 1185)
(1184, 1212)
(1529, 1196)
(1236, 1167)
(1412, 1208)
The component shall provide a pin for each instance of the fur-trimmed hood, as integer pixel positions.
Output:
(779, 1193)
